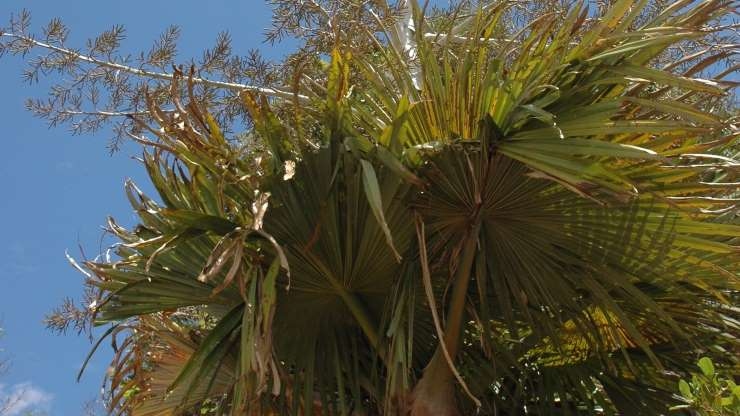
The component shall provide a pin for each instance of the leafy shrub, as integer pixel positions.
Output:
(709, 392)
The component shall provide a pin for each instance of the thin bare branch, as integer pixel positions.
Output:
(272, 92)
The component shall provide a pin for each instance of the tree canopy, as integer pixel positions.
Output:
(504, 208)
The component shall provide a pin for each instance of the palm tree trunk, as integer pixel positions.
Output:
(434, 394)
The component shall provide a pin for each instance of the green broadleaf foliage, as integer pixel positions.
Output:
(706, 366)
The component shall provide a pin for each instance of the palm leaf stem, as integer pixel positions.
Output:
(454, 321)
(354, 304)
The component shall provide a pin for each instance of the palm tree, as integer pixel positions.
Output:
(450, 223)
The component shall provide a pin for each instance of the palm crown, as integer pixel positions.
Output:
(447, 224)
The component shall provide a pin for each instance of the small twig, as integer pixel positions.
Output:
(458, 38)
(104, 113)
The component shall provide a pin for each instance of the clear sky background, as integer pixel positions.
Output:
(58, 189)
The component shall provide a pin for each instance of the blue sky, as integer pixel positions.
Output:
(57, 189)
